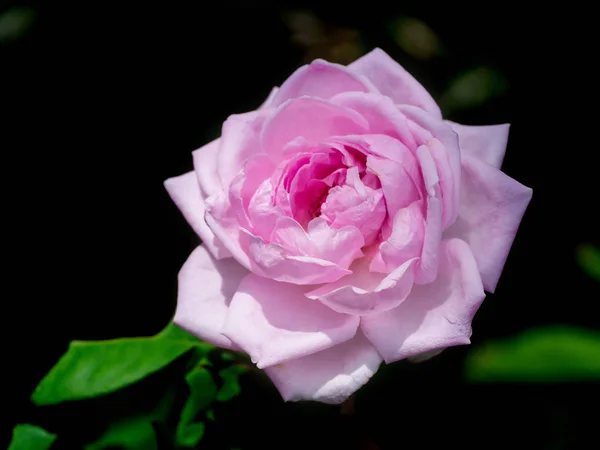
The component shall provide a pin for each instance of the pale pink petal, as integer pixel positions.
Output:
(240, 139)
(434, 316)
(491, 207)
(443, 145)
(222, 221)
(256, 169)
(205, 165)
(405, 242)
(206, 286)
(426, 270)
(268, 103)
(381, 113)
(184, 190)
(274, 322)
(272, 260)
(312, 118)
(329, 376)
(487, 142)
(398, 185)
(393, 80)
(340, 246)
(319, 79)
(364, 292)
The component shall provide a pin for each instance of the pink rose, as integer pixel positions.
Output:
(344, 223)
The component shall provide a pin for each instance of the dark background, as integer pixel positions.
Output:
(103, 101)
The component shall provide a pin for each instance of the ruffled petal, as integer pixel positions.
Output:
(364, 292)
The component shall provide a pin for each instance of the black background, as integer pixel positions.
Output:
(103, 101)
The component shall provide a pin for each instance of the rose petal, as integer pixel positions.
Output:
(381, 114)
(205, 289)
(274, 322)
(434, 316)
(222, 221)
(240, 139)
(443, 145)
(405, 242)
(312, 118)
(272, 260)
(329, 376)
(426, 270)
(319, 79)
(205, 165)
(185, 193)
(364, 292)
(487, 143)
(491, 207)
(393, 80)
(268, 103)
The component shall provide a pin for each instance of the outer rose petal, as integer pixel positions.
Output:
(185, 193)
(391, 79)
(434, 316)
(363, 292)
(486, 143)
(239, 141)
(205, 289)
(274, 322)
(312, 118)
(329, 376)
(205, 165)
(491, 207)
(319, 79)
(268, 103)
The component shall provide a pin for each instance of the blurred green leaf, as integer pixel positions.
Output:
(30, 437)
(415, 37)
(550, 354)
(92, 368)
(15, 22)
(588, 257)
(472, 89)
(231, 386)
(202, 393)
(136, 433)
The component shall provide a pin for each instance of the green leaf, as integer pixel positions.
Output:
(30, 437)
(131, 434)
(588, 257)
(550, 354)
(472, 89)
(203, 391)
(231, 385)
(92, 368)
(137, 431)
(15, 22)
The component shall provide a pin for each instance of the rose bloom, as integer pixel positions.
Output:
(344, 223)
